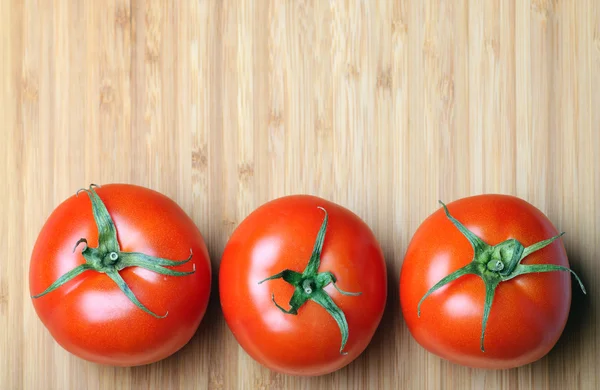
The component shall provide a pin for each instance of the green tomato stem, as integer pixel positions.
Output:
(310, 284)
(108, 258)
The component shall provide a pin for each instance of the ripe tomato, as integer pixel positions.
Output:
(298, 276)
(135, 287)
(486, 249)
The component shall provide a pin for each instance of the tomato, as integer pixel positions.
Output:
(480, 284)
(303, 285)
(121, 276)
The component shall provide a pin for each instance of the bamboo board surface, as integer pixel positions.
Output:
(382, 106)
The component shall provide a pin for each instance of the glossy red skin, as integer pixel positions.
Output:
(89, 316)
(280, 235)
(528, 313)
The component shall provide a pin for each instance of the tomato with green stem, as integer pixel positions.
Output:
(138, 287)
(485, 283)
(322, 260)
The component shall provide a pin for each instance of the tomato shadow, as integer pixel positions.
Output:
(210, 324)
(209, 329)
(391, 316)
(384, 342)
(580, 323)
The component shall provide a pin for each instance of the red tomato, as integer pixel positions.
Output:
(151, 261)
(493, 240)
(305, 244)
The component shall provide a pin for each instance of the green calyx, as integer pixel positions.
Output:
(309, 285)
(108, 258)
(496, 264)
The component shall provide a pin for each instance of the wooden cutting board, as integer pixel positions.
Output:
(382, 106)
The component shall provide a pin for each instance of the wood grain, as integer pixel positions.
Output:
(384, 107)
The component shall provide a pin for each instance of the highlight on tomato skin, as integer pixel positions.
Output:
(303, 285)
(485, 283)
(120, 275)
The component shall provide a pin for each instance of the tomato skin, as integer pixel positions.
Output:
(280, 235)
(89, 316)
(528, 313)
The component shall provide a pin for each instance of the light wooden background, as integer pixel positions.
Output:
(382, 106)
